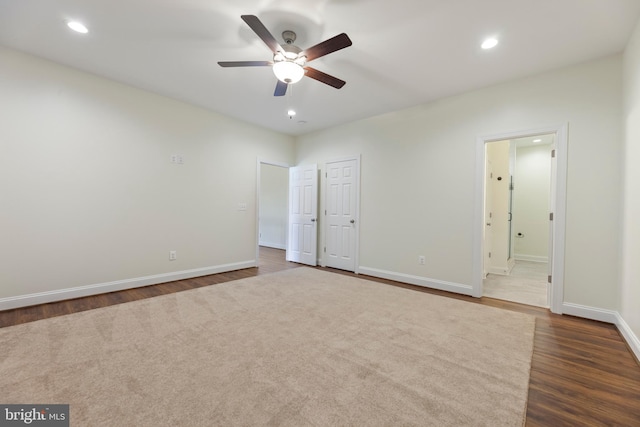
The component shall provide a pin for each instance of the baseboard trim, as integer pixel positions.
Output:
(417, 280)
(629, 336)
(532, 258)
(593, 313)
(118, 285)
(499, 271)
(273, 245)
(608, 316)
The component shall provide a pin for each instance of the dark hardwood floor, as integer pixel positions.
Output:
(582, 372)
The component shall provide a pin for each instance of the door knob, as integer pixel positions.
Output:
(353, 221)
(313, 220)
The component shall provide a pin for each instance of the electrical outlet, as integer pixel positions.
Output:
(422, 260)
(177, 159)
(173, 255)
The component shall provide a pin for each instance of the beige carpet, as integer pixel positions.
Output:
(295, 348)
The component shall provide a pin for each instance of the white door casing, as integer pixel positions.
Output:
(552, 208)
(341, 214)
(303, 215)
(559, 184)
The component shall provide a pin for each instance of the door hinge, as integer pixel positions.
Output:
(553, 154)
(549, 278)
(489, 254)
(551, 216)
(325, 174)
(325, 249)
(325, 211)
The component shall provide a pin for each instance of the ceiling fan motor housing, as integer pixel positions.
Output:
(289, 36)
(291, 52)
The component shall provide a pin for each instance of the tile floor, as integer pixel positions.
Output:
(527, 284)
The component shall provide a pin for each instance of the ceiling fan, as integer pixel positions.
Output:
(289, 61)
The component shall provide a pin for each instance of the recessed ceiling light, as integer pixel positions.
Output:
(77, 27)
(291, 113)
(537, 140)
(489, 43)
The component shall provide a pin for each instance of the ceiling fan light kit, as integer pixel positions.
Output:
(288, 72)
(289, 61)
(288, 66)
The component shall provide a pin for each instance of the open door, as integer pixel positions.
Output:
(488, 217)
(303, 215)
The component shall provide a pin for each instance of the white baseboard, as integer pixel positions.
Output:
(593, 313)
(118, 285)
(417, 280)
(532, 258)
(499, 271)
(608, 316)
(629, 336)
(272, 245)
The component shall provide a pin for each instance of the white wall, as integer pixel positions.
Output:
(630, 293)
(531, 196)
(89, 195)
(418, 171)
(274, 189)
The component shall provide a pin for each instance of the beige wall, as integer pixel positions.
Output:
(630, 298)
(418, 171)
(531, 196)
(90, 196)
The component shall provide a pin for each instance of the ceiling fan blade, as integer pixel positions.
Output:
(244, 63)
(281, 88)
(258, 27)
(326, 47)
(324, 77)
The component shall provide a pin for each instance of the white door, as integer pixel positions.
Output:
(488, 216)
(341, 214)
(303, 210)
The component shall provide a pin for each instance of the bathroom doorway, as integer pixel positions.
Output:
(518, 231)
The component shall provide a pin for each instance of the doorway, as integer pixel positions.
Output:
(287, 214)
(504, 245)
(272, 198)
(272, 209)
(517, 206)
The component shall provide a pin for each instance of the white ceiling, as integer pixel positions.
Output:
(404, 53)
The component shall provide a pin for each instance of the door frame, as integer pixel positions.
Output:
(325, 225)
(258, 175)
(559, 215)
